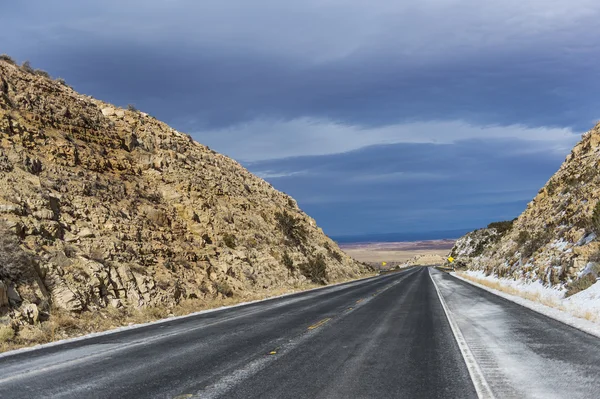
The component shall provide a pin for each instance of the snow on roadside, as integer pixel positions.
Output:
(581, 310)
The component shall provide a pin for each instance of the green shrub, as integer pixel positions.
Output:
(580, 284)
(315, 269)
(287, 261)
(26, 66)
(41, 72)
(534, 243)
(224, 289)
(550, 187)
(7, 58)
(337, 256)
(291, 227)
(229, 240)
(479, 248)
(502, 227)
(333, 253)
(132, 108)
(523, 237)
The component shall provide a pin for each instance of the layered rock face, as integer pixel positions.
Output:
(114, 208)
(554, 239)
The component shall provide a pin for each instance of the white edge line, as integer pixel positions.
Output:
(481, 385)
(556, 314)
(166, 320)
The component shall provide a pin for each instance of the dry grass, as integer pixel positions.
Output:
(497, 285)
(63, 324)
(6, 333)
(535, 297)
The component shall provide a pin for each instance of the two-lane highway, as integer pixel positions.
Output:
(384, 337)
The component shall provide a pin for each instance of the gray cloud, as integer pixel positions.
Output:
(218, 63)
(268, 139)
(413, 115)
(461, 185)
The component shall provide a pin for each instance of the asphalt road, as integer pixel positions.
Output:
(384, 337)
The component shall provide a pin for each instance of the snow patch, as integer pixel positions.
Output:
(581, 310)
(589, 268)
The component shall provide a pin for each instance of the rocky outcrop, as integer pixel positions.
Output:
(117, 209)
(555, 239)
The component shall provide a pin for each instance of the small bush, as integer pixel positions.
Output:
(333, 253)
(315, 269)
(60, 81)
(7, 58)
(523, 237)
(15, 263)
(132, 108)
(287, 261)
(229, 240)
(26, 67)
(580, 284)
(534, 243)
(479, 248)
(224, 289)
(502, 227)
(41, 72)
(550, 187)
(291, 228)
(6, 333)
(337, 256)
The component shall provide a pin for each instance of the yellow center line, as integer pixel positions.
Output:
(319, 324)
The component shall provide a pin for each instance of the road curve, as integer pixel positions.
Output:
(383, 337)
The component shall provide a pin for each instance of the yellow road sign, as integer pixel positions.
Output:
(383, 263)
(450, 259)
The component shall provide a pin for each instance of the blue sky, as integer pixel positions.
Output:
(377, 116)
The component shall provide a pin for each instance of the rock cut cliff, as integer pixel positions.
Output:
(111, 208)
(556, 239)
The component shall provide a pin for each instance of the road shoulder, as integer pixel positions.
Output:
(556, 314)
(521, 353)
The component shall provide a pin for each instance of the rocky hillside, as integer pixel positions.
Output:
(555, 239)
(425, 260)
(103, 207)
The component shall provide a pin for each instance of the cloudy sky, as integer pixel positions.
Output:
(378, 116)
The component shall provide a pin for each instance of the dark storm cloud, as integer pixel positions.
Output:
(205, 87)
(414, 187)
(417, 114)
(207, 64)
